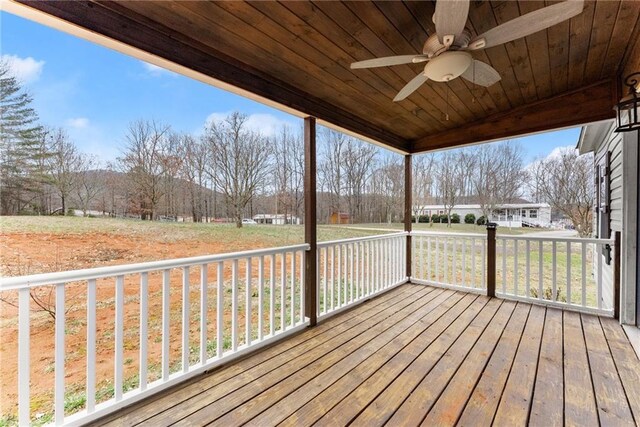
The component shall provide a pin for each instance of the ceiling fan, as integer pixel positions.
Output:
(447, 52)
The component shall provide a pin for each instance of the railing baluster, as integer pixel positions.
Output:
(119, 339)
(272, 296)
(453, 263)
(429, 256)
(60, 350)
(484, 262)
(553, 271)
(260, 298)
(324, 281)
(339, 284)
(584, 273)
(540, 269)
(292, 309)
(203, 313)
(351, 269)
(568, 272)
(599, 278)
(358, 270)
(234, 305)
(24, 356)
(437, 260)
(185, 319)
(220, 310)
(421, 257)
(247, 302)
(515, 266)
(144, 337)
(345, 273)
(474, 273)
(464, 262)
(91, 344)
(332, 277)
(166, 284)
(283, 298)
(504, 266)
(445, 253)
(528, 280)
(301, 287)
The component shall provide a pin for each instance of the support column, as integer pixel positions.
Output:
(491, 259)
(408, 193)
(310, 220)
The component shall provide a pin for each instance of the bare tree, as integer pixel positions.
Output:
(289, 172)
(195, 158)
(567, 185)
(64, 166)
(144, 162)
(89, 185)
(358, 161)
(423, 167)
(498, 175)
(388, 183)
(449, 185)
(240, 158)
(330, 168)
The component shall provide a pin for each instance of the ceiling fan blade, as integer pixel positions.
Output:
(410, 87)
(385, 61)
(450, 18)
(528, 24)
(481, 74)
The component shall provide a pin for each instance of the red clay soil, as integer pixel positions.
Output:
(30, 253)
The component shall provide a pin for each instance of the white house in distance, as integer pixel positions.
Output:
(522, 214)
(276, 219)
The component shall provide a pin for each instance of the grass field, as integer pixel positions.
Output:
(30, 245)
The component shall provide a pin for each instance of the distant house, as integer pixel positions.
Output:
(521, 214)
(340, 218)
(276, 219)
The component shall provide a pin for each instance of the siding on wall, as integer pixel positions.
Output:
(612, 144)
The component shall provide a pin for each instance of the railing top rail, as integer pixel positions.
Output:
(445, 234)
(556, 239)
(361, 239)
(21, 282)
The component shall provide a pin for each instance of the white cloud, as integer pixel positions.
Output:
(155, 71)
(78, 122)
(267, 124)
(26, 70)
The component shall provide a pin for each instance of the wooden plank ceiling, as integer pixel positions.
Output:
(298, 54)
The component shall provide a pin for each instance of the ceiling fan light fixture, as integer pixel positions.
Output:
(448, 66)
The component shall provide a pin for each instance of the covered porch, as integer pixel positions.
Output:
(386, 329)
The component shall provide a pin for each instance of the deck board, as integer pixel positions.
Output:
(419, 354)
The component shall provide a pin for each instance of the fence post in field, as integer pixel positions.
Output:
(310, 234)
(616, 275)
(408, 191)
(491, 259)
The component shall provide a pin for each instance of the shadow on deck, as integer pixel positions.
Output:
(419, 354)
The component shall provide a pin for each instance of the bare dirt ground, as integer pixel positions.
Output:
(31, 245)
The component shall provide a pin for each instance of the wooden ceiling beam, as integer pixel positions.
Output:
(585, 105)
(210, 62)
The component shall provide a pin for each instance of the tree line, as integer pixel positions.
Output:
(232, 171)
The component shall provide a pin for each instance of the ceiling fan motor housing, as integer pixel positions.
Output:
(448, 65)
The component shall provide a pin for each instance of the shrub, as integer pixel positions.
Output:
(455, 218)
(423, 218)
(469, 218)
(481, 221)
(444, 219)
(435, 218)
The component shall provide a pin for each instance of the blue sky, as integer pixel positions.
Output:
(95, 92)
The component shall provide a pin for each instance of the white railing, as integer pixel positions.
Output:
(452, 260)
(353, 270)
(219, 306)
(574, 273)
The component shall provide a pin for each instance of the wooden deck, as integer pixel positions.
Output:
(421, 355)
